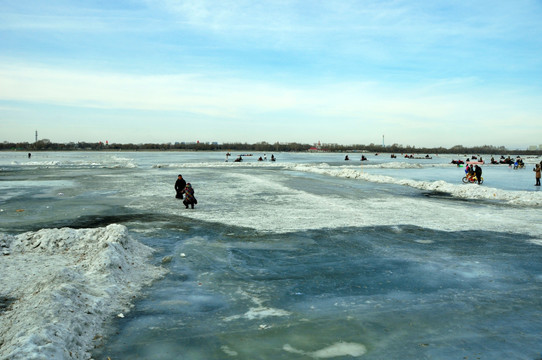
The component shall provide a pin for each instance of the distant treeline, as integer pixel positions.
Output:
(262, 147)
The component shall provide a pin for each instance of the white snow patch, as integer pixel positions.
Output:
(65, 284)
(335, 350)
(228, 351)
(259, 313)
(465, 191)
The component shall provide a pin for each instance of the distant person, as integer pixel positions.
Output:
(273, 157)
(346, 158)
(180, 184)
(29, 155)
(478, 172)
(189, 198)
(260, 159)
(537, 174)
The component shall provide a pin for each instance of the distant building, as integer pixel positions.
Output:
(532, 147)
(316, 148)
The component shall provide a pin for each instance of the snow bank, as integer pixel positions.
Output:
(63, 285)
(465, 191)
(109, 162)
(220, 164)
(293, 166)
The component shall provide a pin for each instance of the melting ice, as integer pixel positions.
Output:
(306, 257)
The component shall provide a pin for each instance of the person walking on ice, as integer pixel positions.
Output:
(189, 198)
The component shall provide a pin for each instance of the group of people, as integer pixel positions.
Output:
(186, 189)
(519, 164)
(474, 172)
(502, 160)
(265, 158)
(363, 158)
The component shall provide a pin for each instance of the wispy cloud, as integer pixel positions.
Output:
(52, 17)
(365, 65)
(223, 96)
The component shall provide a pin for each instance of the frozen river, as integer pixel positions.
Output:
(307, 257)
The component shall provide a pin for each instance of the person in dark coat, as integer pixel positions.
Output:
(478, 171)
(189, 198)
(180, 184)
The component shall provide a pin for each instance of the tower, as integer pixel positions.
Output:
(36, 135)
(383, 141)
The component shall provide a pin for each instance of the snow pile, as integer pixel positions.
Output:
(465, 191)
(63, 285)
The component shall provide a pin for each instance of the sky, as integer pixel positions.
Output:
(413, 72)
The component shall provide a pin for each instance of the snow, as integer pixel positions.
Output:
(60, 287)
(335, 350)
(63, 285)
(465, 191)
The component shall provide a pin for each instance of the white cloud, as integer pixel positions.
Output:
(217, 96)
(362, 65)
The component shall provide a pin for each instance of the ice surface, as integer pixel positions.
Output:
(307, 257)
(269, 202)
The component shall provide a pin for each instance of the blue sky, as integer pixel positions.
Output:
(422, 73)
